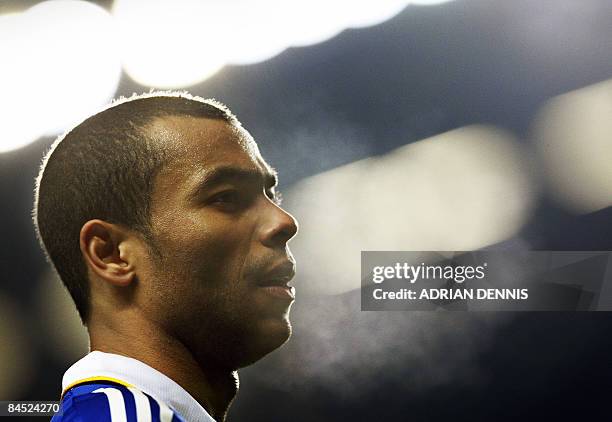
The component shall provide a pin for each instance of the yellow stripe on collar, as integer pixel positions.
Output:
(84, 380)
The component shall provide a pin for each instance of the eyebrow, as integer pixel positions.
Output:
(218, 175)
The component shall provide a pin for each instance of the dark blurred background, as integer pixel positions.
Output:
(451, 125)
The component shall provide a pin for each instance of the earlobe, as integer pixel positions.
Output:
(105, 254)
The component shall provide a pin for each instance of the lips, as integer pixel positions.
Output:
(276, 281)
(280, 292)
(279, 276)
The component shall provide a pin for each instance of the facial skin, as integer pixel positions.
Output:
(218, 244)
(196, 303)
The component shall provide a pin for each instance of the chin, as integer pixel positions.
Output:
(271, 335)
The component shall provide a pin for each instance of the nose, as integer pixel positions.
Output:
(279, 227)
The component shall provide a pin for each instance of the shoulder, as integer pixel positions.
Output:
(103, 401)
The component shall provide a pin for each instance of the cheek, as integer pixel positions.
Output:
(208, 249)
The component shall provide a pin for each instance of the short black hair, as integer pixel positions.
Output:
(104, 168)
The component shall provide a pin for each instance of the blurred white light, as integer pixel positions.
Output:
(61, 58)
(574, 134)
(171, 43)
(19, 127)
(255, 31)
(59, 65)
(315, 21)
(366, 13)
(260, 30)
(460, 190)
(318, 20)
(429, 2)
(177, 43)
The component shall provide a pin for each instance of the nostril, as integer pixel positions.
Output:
(282, 230)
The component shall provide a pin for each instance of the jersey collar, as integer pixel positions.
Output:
(131, 372)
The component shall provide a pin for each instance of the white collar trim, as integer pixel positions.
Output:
(141, 376)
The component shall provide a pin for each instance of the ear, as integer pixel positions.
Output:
(108, 252)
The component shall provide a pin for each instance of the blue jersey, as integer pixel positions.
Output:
(103, 400)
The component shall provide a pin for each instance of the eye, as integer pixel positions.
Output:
(226, 198)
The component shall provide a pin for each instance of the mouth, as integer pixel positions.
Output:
(276, 281)
(281, 292)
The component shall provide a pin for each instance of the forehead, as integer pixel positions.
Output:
(190, 140)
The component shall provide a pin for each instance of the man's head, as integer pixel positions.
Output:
(163, 205)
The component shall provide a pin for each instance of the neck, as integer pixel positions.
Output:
(213, 387)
